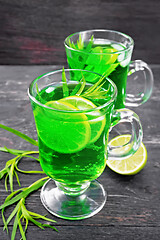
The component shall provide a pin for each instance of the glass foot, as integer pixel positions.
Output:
(70, 207)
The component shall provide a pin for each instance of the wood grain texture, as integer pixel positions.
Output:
(33, 32)
(132, 210)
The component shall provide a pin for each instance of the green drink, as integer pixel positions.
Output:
(72, 146)
(104, 56)
(109, 53)
(108, 65)
(73, 119)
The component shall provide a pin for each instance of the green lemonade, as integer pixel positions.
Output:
(105, 57)
(72, 145)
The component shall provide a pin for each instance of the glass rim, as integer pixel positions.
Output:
(113, 96)
(101, 30)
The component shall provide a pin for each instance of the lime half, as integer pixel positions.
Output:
(130, 165)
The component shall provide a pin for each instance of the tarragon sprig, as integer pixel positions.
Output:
(94, 92)
(21, 135)
(80, 44)
(9, 171)
(11, 168)
(20, 213)
(65, 86)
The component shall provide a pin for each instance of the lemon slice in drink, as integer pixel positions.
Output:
(96, 120)
(130, 165)
(111, 57)
(64, 131)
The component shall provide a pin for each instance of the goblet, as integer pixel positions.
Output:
(73, 126)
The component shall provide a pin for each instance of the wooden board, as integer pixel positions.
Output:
(132, 209)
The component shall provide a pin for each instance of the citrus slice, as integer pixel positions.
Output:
(102, 55)
(111, 57)
(78, 102)
(96, 120)
(63, 131)
(124, 57)
(61, 106)
(130, 165)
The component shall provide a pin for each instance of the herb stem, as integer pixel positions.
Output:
(22, 135)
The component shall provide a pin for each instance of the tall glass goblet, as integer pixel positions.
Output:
(73, 128)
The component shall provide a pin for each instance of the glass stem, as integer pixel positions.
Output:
(73, 189)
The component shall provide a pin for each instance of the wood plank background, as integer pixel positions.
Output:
(32, 32)
(132, 210)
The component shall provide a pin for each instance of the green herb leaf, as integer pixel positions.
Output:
(71, 44)
(65, 86)
(15, 225)
(95, 91)
(12, 166)
(49, 226)
(12, 151)
(38, 91)
(82, 86)
(17, 178)
(110, 69)
(76, 89)
(25, 192)
(89, 46)
(9, 170)
(40, 216)
(29, 172)
(7, 199)
(21, 230)
(12, 215)
(3, 172)
(4, 221)
(6, 179)
(93, 87)
(21, 135)
(20, 211)
(80, 43)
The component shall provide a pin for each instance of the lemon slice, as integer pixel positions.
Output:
(111, 57)
(130, 165)
(100, 55)
(123, 58)
(64, 132)
(96, 120)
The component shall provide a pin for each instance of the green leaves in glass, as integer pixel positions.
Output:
(79, 45)
(65, 86)
(94, 92)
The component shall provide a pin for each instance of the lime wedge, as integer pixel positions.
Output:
(96, 120)
(64, 132)
(130, 165)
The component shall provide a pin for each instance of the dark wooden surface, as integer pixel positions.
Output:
(132, 210)
(32, 32)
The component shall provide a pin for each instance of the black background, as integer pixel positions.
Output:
(33, 31)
